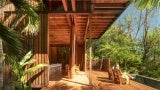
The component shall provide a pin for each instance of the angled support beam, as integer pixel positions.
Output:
(64, 2)
(73, 5)
(73, 2)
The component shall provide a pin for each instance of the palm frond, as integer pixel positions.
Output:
(141, 4)
(30, 81)
(11, 40)
(32, 69)
(26, 57)
(24, 8)
(28, 62)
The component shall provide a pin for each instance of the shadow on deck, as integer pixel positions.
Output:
(80, 82)
(99, 80)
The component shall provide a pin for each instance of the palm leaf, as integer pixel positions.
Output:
(32, 69)
(11, 40)
(28, 62)
(141, 4)
(26, 57)
(23, 7)
(30, 81)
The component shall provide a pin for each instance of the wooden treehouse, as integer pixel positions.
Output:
(64, 28)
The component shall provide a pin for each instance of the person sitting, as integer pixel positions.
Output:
(119, 74)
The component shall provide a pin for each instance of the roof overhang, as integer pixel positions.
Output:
(100, 14)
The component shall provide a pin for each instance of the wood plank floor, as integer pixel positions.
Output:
(80, 82)
(99, 81)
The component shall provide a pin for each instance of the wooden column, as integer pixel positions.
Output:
(90, 49)
(83, 56)
(76, 52)
(72, 52)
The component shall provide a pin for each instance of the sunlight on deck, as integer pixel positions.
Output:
(99, 80)
(80, 82)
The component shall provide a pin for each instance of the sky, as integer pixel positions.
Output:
(154, 20)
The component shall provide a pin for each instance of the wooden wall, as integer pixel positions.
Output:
(39, 45)
(80, 56)
(59, 54)
(53, 55)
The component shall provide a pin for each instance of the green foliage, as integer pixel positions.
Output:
(11, 40)
(150, 68)
(26, 20)
(20, 71)
(119, 47)
(141, 4)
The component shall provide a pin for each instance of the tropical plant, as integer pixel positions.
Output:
(11, 41)
(20, 70)
(24, 20)
(147, 3)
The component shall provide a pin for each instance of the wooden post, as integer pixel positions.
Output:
(90, 49)
(76, 53)
(85, 64)
(72, 50)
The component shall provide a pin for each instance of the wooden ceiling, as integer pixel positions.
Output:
(96, 14)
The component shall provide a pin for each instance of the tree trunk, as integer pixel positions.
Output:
(145, 47)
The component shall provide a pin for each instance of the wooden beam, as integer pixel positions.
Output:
(56, 17)
(57, 12)
(104, 17)
(109, 5)
(66, 9)
(64, 2)
(110, 1)
(88, 21)
(73, 2)
(57, 45)
(69, 20)
(70, 12)
(57, 22)
(110, 12)
(60, 41)
(52, 31)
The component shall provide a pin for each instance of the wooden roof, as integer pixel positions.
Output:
(100, 14)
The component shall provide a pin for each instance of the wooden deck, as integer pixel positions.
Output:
(99, 80)
(80, 82)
